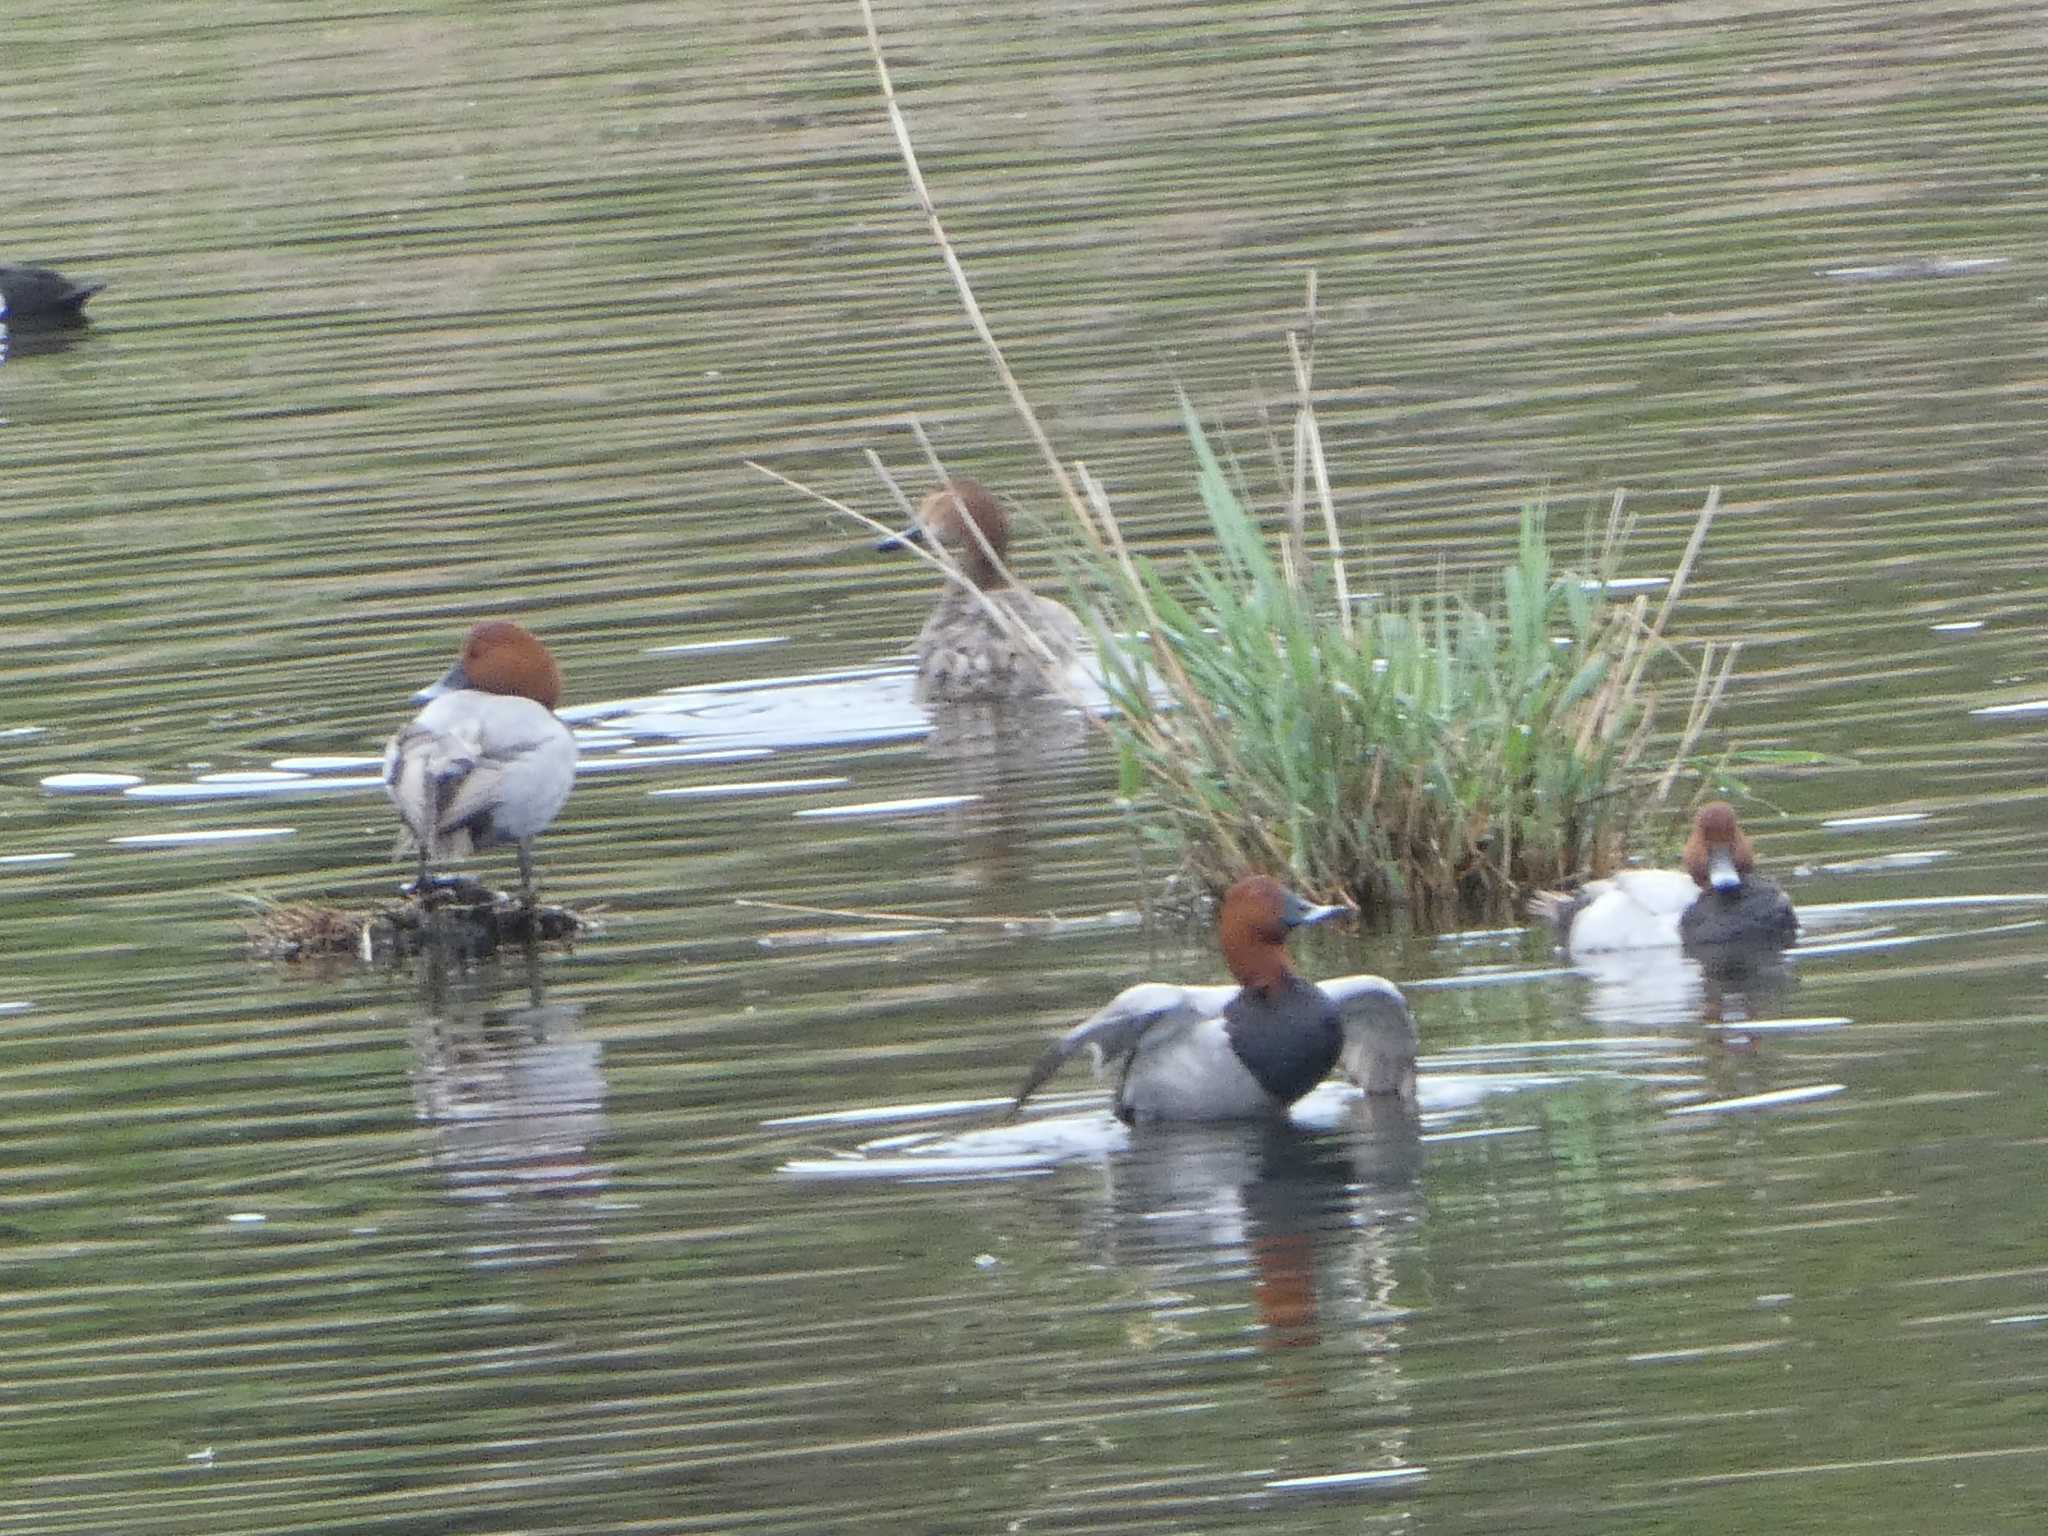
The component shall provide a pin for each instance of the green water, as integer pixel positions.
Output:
(435, 312)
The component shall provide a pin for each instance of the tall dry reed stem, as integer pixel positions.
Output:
(1436, 752)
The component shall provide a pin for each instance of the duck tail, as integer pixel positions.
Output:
(424, 775)
(1553, 907)
(454, 843)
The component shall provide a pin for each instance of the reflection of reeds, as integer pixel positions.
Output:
(1436, 752)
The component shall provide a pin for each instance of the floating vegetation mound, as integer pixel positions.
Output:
(463, 918)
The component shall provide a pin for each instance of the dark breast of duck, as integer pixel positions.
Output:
(1756, 912)
(1288, 1035)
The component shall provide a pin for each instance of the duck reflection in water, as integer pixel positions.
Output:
(1014, 765)
(25, 344)
(1742, 981)
(515, 1096)
(1317, 1218)
(1677, 988)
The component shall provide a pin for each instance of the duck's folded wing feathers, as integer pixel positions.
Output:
(1379, 1033)
(471, 793)
(426, 772)
(1659, 892)
(1132, 1017)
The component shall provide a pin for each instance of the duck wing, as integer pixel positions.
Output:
(481, 766)
(1664, 893)
(470, 790)
(1146, 1016)
(427, 772)
(1379, 1033)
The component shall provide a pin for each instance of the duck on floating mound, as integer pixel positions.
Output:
(1026, 647)
(36, 297)
(1248, 1051)
(1716, 899)
(486, 762)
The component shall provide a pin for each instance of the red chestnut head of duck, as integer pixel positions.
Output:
(1258, 913)
(949, 517)
(499, 656)
(1717, 855)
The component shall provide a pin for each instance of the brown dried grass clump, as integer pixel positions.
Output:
(466, 919)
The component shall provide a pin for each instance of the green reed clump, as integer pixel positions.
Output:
(1435, 751)
(1444, 751)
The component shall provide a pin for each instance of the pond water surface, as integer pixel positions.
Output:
(432, 312)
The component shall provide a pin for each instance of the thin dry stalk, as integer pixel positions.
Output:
(1156, 735)
(1703, 682)
(1345, 617)
(1262, 409)
(1639, 740)
(1304, 356)
(1295, 547)
(1706, 699)
(901, 128)
(937, 919)
(1178, 683)
(1678, 577)
(937, 558)
(904, 504)
(1692, 551)
(1310, 438)
(1294, 552)
(928, 448)
(1297, 492)
(1618, 527)
(1618, 686)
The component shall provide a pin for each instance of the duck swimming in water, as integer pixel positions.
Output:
(1026, 647)
(1248, 1051)
(1716, 899)
(486, 762)
(36, 297)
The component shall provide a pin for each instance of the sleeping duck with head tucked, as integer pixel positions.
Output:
(988, 638)
(1246, 1051)
(486, 762)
